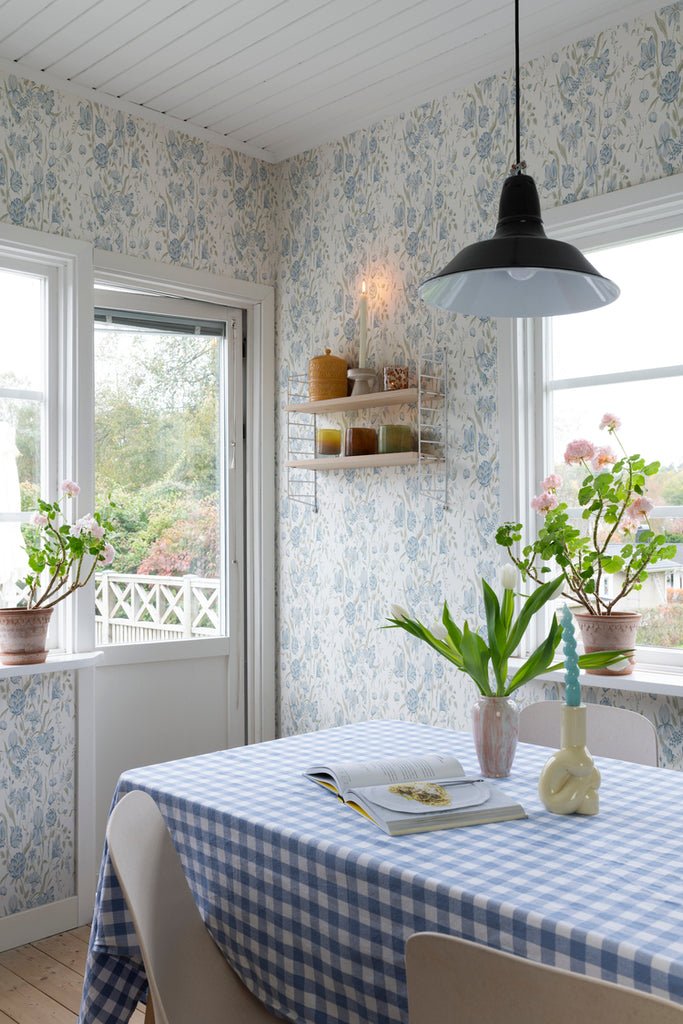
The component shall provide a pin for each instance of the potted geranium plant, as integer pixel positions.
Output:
(612, 540)
(486, 662)
(62, 558)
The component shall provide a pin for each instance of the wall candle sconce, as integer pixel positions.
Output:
(363, 351)
(363, 379)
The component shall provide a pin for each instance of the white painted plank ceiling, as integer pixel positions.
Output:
(277, 77)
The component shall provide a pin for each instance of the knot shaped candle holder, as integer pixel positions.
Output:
(569, 781)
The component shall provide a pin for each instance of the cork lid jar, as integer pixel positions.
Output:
(326, 377)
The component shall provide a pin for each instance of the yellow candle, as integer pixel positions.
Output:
(363, 352)
(327, 441)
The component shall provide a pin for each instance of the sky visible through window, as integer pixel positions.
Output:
(640, 332)
(642, 329)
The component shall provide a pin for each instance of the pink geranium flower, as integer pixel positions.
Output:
(544, 503)
(610, 422)
(70, 487)
(107, 556)
(38, 519)
(552, 482)
(640, 508)
(603, 457)
(88, 524)
(579, 451)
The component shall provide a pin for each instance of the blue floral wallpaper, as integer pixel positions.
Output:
(82, 169)
(391, 205)
(37, 806)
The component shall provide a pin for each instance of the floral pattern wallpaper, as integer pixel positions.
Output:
(37, 805)
(84, 170)
(391, 205)
(388, 205)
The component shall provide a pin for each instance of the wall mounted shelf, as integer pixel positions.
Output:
(376, 399)
(430, 420)
(355, 461)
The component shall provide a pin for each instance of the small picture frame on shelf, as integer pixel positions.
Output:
(395, 378)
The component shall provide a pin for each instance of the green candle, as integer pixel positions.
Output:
(394, 437)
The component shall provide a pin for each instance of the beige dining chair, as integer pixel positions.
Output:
(610, 732)
(454, 981)
(190, 980)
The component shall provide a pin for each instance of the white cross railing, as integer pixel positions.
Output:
(130, 608)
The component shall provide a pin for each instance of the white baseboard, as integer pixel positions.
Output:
(30, 925)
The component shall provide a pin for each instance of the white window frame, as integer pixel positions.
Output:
(655, 208)
(69, 265)
(251, 669)
(251, 686)
(230, 440)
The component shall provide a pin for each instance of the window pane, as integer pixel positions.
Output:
(22, 369)
(661, 599)
(20, 455)
(157, 453)
(649, 412)
(639, 329)
(21, 300)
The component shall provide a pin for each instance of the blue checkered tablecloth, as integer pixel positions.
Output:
(312, 904)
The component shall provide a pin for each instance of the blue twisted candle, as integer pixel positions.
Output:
(571, 660)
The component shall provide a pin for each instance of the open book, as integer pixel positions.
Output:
(416, 794)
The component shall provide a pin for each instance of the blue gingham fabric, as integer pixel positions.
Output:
(312, 904)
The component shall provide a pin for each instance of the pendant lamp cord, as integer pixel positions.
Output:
(518, 165)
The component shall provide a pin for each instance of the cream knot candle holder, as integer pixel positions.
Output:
(569, 781)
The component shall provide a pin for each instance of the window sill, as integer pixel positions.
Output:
(55, 663)
(644, 679)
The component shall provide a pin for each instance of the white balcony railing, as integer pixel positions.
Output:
(137, 609)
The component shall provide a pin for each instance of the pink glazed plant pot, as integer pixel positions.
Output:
(23, 635)
(495, 727)
(615, 632)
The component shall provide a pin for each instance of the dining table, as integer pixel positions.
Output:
(312, 904)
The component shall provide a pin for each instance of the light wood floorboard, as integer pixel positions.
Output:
(41, 983)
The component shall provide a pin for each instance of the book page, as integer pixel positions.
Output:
(353, 774)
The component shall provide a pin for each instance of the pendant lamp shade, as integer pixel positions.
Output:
(519, 272)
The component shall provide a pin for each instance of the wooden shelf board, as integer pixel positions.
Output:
(405, 396)
(355, 461)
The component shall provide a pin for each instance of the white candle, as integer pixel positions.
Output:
(363, 352)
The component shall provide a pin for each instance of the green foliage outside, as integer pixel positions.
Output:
(662, 626)
(156, 447)
(156, 450)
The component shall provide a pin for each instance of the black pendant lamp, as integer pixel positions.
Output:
(519, 272)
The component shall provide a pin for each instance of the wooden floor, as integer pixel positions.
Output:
(42, 983)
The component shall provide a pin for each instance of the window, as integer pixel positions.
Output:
(165, 406)
(624, 359)
(26, 444)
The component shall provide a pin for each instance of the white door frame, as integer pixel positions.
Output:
(254, 680)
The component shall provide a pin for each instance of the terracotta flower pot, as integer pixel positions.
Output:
(615, 632)
(23, 635)
(495, 727)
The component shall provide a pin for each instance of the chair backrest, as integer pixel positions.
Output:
(189, 978)
(454, 981)
(610, 732)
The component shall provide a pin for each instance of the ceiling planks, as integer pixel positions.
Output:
(277, 77)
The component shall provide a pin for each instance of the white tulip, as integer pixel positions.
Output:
(508, 577)
(399, 612)
(440, 631)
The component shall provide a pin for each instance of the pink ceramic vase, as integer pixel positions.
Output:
(495, 726)
(615, 632)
